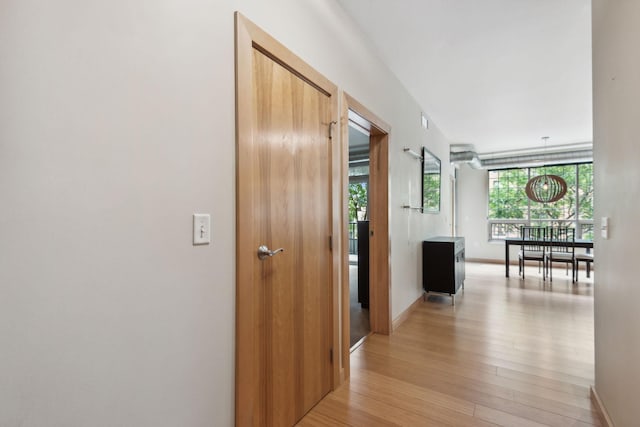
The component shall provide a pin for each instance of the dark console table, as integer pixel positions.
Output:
(443, 265)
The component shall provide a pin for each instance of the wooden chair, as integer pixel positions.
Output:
(587, 258)
(532, 248)
(563, 249)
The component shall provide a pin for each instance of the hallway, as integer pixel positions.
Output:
(510, 353)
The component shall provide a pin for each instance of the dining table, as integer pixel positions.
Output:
(578, 243)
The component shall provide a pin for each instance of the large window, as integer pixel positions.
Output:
(509, 207)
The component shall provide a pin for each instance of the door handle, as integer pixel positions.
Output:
(264, 252)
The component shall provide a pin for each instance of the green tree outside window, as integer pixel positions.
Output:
(357, 201)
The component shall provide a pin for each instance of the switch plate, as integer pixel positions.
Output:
(604, 227)
(201, 229)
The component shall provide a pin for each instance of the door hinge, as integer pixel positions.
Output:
(331, 355)
(331, 243)
(331, 129)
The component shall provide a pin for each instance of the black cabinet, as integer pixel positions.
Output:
(443, 265)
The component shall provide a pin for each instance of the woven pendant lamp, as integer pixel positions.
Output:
(546, 188)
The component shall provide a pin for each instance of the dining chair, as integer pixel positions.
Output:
(562, 249)
(587, 258)
(532, 248)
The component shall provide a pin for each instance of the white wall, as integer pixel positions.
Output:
(473, 199)
(616, 71)
(116, 124)
(472, 210)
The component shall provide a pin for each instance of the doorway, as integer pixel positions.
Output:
(359, 322)
(355, 115)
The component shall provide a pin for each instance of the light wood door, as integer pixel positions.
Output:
(284, 301)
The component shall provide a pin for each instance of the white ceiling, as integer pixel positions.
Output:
(499, 74)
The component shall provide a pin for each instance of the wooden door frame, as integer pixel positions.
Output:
(248, 37)
(378, 208)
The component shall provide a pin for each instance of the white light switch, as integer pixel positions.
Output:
(201, 229)
(604, 227)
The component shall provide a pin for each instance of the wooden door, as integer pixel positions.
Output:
(284, 312)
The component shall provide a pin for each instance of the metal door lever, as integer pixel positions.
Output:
(264, 252)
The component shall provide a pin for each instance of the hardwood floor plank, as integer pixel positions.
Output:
(566, 386)
(480, 361)
(398, 411)
(472, 390)
(550, 405)
(481, 380)
(478, 396)
(552, 362)
(316, 419)
(340, 411)
(409, 392)
(504, 419)
(511, 352)
(502, 336)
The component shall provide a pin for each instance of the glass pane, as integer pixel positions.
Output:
(585, 190)
(357, 201)
(353, 238)
(430, 182)
(586, 232)
(431, 192)
(507, 199)
(505, 230)
(359, 170)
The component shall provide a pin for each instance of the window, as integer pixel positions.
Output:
(358, 193)
(510, 208)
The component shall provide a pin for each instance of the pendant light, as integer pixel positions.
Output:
(546, 188)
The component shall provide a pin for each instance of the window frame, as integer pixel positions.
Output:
(578, 223)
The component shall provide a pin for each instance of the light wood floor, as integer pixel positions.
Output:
(360, 325)
(510, 353)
